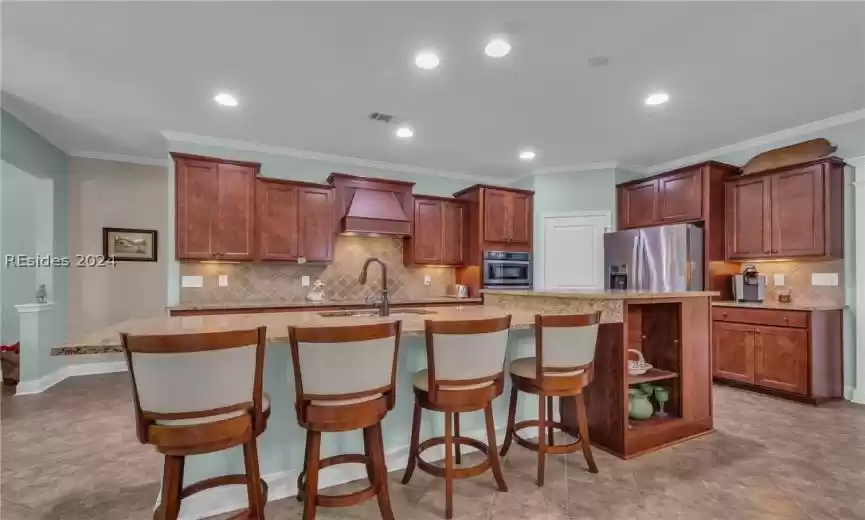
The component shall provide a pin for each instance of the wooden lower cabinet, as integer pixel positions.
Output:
(801, 361)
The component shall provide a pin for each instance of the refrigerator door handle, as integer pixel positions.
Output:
(636, 262)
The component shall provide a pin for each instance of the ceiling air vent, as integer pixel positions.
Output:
(380, 116)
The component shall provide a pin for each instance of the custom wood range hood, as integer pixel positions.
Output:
(367, 206)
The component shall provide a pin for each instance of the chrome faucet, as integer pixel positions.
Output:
(384, 304)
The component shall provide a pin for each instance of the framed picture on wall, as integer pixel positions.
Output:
(129, 245)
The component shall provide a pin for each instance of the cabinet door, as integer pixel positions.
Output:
(797, 213)
(316, 226)
(195, 208)
(680, 196)
(782, 359)
(496, 224)
(638, 204)
(453, 234)
(276, 220)
(427, 236)
(519, 218)
(748, 219)
(235, 219)
(733, 351)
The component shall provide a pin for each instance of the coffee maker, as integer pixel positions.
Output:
(749, 286)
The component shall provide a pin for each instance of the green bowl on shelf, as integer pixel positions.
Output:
(639, 406)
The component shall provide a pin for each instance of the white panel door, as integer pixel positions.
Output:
(574, 251)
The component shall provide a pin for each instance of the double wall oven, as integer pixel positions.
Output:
(507, 270)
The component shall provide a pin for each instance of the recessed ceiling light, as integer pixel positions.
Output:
(527, 155)
(497, 48)
(658, 98)
(226, 100)
(404, 132)
(426, 60)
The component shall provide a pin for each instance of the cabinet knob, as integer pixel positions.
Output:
(786, 318)
(723, 314)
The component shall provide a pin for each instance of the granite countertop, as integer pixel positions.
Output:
(795, 306)
(307, 303)
(107, 340)
(601, 294)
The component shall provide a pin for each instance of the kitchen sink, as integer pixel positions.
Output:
(370, 313)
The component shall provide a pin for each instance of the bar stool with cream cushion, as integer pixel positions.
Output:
(200, 393)
(465, 372)
(562, 366)
(345, 379)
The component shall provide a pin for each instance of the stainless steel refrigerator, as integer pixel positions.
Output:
(658, 259)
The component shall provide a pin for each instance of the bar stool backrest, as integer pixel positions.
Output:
(565, 344)
(190, 379)
(339, 363)
(463, 353)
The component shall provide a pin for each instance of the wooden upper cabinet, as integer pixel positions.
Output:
(733, 351)
(196, 193)
(787, 213)
(495, 215)
(453, 234)
(798, 219)
(638, 204)
(428, 229)
(316, 227)
(277, 223)
(748, 218)
(439, 232)
(680, 196)
(215, 203)
(520, 218)
(781, 355)
(294, 220)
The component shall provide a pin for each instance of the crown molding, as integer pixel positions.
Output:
(148, 161)
(181, 137)
(814, 126)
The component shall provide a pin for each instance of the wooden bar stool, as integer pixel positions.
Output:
(345, 379)
(562, 366)
(465, 372)
(200, 393)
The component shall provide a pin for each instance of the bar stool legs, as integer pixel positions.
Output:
(583, 430)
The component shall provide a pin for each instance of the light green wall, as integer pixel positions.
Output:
(31, 167)
(293, 168)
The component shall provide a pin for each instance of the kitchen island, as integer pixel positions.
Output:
(672, 331)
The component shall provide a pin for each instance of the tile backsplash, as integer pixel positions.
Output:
(797, 278)
(280, 282)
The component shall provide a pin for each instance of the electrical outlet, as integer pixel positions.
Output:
(304, 281)
(192, 281)
(223, 280)
(427, 280)
(824, 279)
(779, 279)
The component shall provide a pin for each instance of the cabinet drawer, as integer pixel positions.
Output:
(779, 318)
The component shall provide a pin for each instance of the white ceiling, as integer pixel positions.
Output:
(108, 77)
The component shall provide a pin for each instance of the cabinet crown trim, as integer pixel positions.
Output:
(491, 187)
(837, 161)
(189, 156)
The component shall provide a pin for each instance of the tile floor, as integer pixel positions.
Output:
(71, 454)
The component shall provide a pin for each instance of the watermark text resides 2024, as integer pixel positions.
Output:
(80, 260)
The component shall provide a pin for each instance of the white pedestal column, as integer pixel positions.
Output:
(36, 368)
(858, 394)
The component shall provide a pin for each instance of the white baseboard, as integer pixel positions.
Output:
(283, 484)
(45, 382)
(856, 395)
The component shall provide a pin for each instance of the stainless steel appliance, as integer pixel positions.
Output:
(749, 286)
(505, 269)
(659, 259)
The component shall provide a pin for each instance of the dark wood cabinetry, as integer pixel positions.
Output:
(507, 216)
(788, 213)
(294, 220)
(794, 354)
(438, 235)
(214, 205)
(677, 196)
(680, 196)
(637, 203)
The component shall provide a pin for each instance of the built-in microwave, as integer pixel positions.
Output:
(505, 269)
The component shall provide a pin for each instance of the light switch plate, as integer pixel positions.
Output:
(223, 280)
(427, 280)
(824, 279)
(779, 279)
(304, 281)
(192, 281)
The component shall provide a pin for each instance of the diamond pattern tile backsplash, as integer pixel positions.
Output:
(797, 278)
(280, 282)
